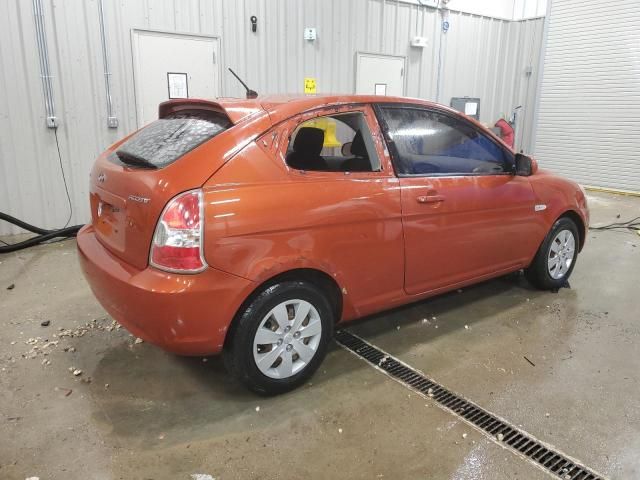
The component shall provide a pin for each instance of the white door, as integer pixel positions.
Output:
(169, 65)
(379, 74)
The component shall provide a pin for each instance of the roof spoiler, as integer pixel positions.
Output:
(236, 110)
(182, 104)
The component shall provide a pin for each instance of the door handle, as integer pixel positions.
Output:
(430, 198)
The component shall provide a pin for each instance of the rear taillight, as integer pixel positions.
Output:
(177, 241)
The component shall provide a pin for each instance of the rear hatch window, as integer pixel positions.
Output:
(164, 141)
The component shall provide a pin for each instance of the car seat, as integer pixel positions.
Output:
(307, 146)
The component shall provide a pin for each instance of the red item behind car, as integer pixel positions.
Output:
(506, 131)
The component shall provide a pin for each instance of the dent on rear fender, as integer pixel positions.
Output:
(239, 244)
(271, 268)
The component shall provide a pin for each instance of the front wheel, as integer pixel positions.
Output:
(556, 257)
(280, 338)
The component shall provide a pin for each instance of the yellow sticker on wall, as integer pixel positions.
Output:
(309, 85)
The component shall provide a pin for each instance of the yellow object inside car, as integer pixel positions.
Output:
(329, 128)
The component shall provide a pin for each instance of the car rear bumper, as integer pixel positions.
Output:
(184, 314)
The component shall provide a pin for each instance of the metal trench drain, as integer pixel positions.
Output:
(523, 444)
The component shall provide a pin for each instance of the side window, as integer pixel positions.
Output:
(431, 143)
(333, 143)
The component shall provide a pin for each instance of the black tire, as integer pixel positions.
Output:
(537, 273)
(238, 352)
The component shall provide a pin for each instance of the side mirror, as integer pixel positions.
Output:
(525, 165)
(346, 149)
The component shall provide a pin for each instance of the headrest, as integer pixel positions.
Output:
(357, 146)
(309, 141)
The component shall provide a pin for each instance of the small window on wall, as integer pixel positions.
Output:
(333, 143)
(431, 143)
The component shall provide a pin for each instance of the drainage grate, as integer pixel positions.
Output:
(520, 442)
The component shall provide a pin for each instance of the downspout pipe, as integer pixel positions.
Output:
(444, 28)
(112, 120)
(536, 104)
(45, 70)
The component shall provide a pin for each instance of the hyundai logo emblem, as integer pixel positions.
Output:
(102, 177)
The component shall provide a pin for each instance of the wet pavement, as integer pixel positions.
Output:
(150, 415)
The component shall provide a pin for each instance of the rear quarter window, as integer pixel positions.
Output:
(166, 140)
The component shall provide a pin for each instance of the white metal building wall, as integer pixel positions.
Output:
(498, 62)
(481, 57)
(589, 114)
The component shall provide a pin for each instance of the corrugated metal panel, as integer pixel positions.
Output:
(274, 60)
(496, 61)
(590, 98)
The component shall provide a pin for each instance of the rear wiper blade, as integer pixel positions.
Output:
(131, 159)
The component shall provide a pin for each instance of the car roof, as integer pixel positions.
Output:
(281, 107)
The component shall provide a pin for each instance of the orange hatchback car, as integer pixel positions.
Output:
(253, 227)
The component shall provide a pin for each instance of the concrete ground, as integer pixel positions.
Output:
(135, 412)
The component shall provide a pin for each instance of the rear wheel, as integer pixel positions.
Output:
(280, 337)
(556, 257)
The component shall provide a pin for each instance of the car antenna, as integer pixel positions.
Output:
(250, 93)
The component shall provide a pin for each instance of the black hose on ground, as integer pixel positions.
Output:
(43, 234)
(24, 225)
(632, 225)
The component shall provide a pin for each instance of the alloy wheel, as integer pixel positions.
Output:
(561, 254)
